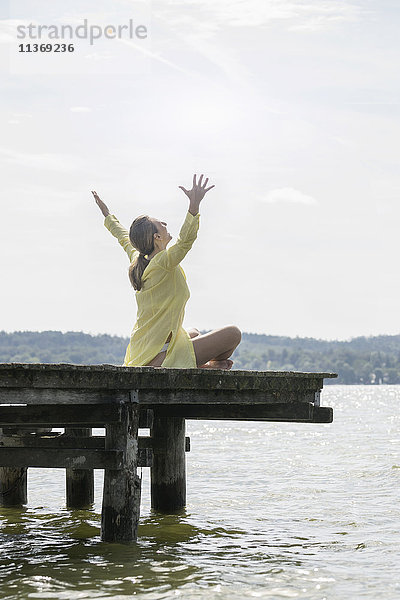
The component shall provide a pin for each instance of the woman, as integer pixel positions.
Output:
(158, 338)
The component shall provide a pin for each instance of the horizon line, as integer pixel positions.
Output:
(205, 331)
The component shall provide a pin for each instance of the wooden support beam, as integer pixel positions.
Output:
(121, 491)
(145, 458)
(54, 440)
(292, 412)
(62, 459)
(79, 483)
(231, 397)
(60, 396)
(59, 415)
(321, 414)
(168, 473)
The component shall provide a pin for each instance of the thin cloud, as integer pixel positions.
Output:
(289, 195)
(199, 23)
(201, 37)
(155, 56)
(80, 109)
(314, 14)
(373, 103)
(51, 162)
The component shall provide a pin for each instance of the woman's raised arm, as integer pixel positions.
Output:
(188, 233)
(102, 206)
(115, 228)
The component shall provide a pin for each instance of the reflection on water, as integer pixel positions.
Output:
(275, 510)
(65, 547)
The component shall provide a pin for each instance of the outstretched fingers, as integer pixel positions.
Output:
(203, 184)
(198, 188)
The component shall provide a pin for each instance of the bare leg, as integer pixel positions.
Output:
(159, 358)
(213, 349)
(211, 364)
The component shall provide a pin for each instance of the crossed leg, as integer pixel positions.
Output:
(213, 349)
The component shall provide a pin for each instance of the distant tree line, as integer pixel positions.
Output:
(362, 360)
(56, 347)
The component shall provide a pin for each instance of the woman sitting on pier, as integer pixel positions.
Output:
(158, 338)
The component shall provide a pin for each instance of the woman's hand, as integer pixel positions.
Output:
(103, 207)
(196, 194)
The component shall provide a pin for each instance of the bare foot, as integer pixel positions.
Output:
(226, 365)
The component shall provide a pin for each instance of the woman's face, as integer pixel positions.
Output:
(165, 236)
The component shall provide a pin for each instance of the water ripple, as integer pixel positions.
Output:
(275, 510)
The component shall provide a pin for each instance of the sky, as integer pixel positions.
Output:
(289, 107)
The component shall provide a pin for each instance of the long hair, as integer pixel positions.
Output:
(141, 235)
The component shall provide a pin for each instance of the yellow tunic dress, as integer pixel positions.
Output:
(161, 301)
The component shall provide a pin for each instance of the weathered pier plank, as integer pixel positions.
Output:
(49, 396)
(114, 378)
(295, 411)
(54, 440)
(59, 415)
(63, 396)
(228, 397)
(62, 459)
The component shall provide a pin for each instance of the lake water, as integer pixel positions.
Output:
(274, 511)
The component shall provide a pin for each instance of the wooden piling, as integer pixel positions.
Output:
(168, 473)
(13, 486)
(121, 492)
(79, 482)
(13, 482)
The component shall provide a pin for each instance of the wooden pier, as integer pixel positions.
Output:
(34, 398)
